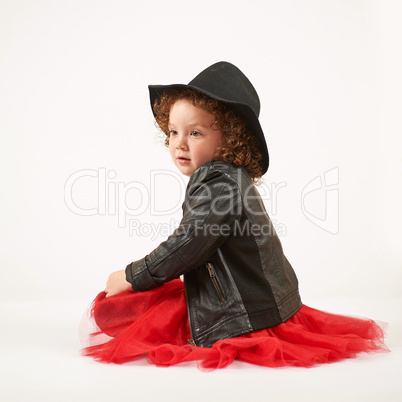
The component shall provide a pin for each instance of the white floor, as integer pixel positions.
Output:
(40, 361)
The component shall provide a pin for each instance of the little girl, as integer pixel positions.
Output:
(240, 297)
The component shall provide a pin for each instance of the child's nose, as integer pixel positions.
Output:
(181, 142)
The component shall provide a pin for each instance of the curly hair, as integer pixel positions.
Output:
(239, 145)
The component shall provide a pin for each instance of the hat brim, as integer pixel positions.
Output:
(155, 91)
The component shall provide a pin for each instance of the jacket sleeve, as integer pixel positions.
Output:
(211, 207)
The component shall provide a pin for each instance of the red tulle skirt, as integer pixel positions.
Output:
(155, 324)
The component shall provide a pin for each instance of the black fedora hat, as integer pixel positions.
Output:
(226, 83)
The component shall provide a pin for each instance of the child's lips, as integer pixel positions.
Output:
(183, 160)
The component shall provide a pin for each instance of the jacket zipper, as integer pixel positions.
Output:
(191, 340)
(211, 272)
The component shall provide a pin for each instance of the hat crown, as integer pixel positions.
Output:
(225, 81)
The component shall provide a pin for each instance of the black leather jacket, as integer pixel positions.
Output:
(236, 276)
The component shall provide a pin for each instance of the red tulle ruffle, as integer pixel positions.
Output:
(155, 324)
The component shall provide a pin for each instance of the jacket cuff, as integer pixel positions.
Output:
(138, 275)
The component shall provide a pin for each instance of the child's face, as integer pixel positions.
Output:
(193, 141)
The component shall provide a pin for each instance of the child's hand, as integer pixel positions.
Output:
(117, 283)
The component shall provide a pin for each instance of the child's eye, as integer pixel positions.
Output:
(172, 132)
(195, 133)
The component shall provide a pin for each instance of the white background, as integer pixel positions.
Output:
(74, 97)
